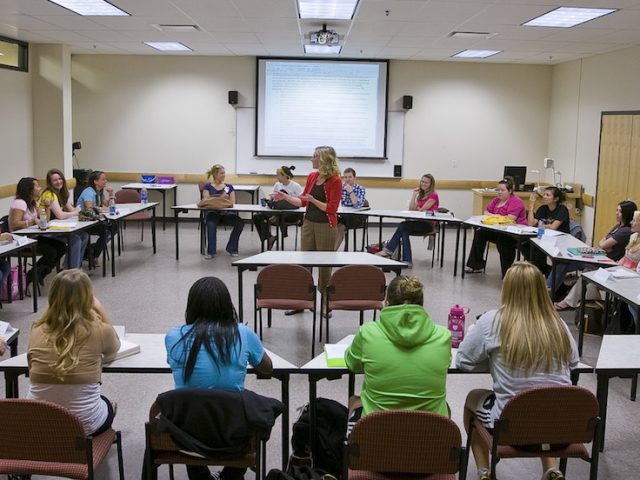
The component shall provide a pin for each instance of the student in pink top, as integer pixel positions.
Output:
(508, 205)
(425, 199)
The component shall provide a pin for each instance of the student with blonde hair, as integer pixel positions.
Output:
(404, 356)
(67, 348)
(321, 197)
(216, 188)
(524, 344)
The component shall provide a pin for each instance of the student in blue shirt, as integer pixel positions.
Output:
(212, 351)
(96, 195)
(353, 195)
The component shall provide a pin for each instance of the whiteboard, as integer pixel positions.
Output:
(247, 163)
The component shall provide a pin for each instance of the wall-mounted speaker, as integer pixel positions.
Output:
(233, 97)
(407, 102)
(397, 171)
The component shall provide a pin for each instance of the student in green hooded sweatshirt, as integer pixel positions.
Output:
(404, 356)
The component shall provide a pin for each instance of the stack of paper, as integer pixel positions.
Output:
(334, 353)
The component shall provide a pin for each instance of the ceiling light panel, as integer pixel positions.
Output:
(169, 46)
(476, 53)
(323, 49)
(566, 17)
(91, 8)
(327, 9)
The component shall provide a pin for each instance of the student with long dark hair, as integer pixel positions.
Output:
(212, 350)
(24, 214)
(56, 200)
(96, 195)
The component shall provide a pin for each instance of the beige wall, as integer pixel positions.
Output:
(581, 91)
(15, 129)
(170, 114)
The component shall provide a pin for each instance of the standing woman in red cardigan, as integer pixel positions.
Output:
(321, 196)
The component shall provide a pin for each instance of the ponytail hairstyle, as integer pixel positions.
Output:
(213, 171)
(628, 208)
(557, 194)
(507, 182)
(405, 290)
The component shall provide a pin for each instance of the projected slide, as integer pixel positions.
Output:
(305, 103)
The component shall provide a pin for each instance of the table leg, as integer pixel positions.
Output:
(153, 229)
(602, 392)
(284, 389)
(455, 257)
(380, 231)
(240, 304)
(164, 209)
(464, 251)
(175, 216)
(35, 279)
(113, 252)
(553, 279)
(11, 384)
(581, 325)
(443, 230)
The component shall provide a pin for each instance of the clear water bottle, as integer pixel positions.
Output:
(455, 324)
(144, 195)
(112, 206)
(540, 229)
(42, 221)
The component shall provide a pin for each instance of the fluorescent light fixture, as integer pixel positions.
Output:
(565, 17)
(476, 53)
(327, 9)
(177, 28)
(169, 46)
(91, 8)
(323, 49)
(471, 35)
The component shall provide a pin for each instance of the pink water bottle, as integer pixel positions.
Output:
(456, 324)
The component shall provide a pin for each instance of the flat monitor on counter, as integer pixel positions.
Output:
(518, 174)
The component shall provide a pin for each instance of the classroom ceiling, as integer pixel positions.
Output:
(381, 29)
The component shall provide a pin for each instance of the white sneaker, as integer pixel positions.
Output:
(208, 256)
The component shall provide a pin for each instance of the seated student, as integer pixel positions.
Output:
(614, 243)
(523, 344)
(24, 214)
(262, 221)
(404, 356)
(217, 217)
(93, 196)
(424, 199)
(551, 215)
(508, 205)
(55, 199)
(353, 195)
(631, 260)
(67, 348)
(212, 351)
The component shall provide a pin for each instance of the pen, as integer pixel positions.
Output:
(569, 255)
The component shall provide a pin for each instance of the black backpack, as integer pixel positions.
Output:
(331, 429)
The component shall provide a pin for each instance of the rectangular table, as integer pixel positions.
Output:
(519, 232)
(619, 355)
(163, 188)
(311, 259)
(317, 369)
(153, 359)
(556, 248)
(626, 289)
(238, 207)
(125, 210)
(9, 248)
(444, 218)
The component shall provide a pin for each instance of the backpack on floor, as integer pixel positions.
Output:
(331, 429)
(13, 285)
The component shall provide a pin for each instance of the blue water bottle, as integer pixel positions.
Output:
(144, 196)
(540, 229)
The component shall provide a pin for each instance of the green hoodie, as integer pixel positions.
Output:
(405, 358)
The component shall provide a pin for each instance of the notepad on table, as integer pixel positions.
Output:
(334, 354)
(126, 348)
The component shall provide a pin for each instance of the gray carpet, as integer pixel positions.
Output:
(149, 295)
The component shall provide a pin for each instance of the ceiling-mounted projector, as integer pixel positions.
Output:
(324, 37)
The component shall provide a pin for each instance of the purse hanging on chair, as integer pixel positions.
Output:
(216, 203)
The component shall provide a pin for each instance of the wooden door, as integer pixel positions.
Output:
(613, 169)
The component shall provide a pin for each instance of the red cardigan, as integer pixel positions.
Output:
(333, 192)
